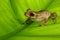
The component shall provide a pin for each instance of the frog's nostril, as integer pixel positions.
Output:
(31, 14)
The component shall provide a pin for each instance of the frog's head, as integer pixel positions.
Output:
(29, 13)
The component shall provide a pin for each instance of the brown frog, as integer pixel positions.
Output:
(42, 15)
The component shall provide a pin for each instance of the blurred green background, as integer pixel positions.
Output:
(12, 16)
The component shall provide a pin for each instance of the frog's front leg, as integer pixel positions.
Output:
(28, 21)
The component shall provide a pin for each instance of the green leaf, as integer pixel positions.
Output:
(12, 16)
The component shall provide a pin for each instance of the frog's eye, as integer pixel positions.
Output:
(31, 14)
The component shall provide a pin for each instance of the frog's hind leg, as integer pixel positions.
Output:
(54, 17)
(44, 22)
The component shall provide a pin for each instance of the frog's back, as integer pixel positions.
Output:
(45, 14)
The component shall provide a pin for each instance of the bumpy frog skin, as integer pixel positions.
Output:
(42, 15)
